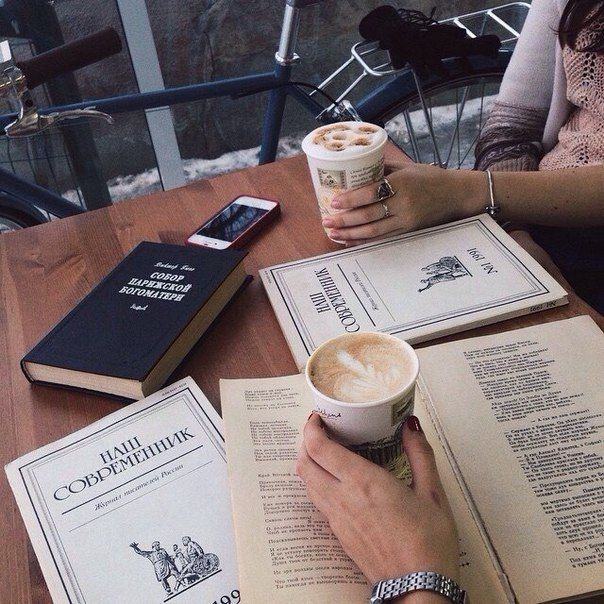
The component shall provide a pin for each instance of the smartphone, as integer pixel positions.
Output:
(236, 223)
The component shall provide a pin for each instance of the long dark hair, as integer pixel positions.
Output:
(577, 16)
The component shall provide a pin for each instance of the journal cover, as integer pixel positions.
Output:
(135, 508)
(417, 286)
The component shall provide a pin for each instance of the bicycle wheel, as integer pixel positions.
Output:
(12, 219)
(445, 132)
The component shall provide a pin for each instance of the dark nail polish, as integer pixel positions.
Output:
(413, 424)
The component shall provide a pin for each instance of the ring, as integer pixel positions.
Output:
(386, 210)
(384, 190)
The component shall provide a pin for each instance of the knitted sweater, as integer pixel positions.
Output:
(550, 114)
(550, 101)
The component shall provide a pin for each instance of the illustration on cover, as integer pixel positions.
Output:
(182, 568)
(448, 268)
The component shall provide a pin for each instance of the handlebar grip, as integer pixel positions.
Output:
(69, 57)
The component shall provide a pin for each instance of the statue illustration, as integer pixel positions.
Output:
(162, 563)
(187, 565)
(448, 268)
(178, 556)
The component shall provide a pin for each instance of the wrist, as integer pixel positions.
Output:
(420, 587)
(472, 190)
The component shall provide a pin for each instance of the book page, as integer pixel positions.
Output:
(416, 286)
(523, 415)
(286, 550)
(135, 508)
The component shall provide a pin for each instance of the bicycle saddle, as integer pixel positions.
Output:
(413, 38)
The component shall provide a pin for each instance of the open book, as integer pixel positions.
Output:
(517, 425)
(417, 286)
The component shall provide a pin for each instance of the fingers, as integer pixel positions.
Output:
(354, 242)
(330, 455)
(378, 228)
(320, 484)
(426, 481)
(355, 198)
(362, 215)
(392, 166)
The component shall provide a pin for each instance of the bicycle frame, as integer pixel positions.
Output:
(278, 82)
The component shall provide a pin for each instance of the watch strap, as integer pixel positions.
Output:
(417, 581)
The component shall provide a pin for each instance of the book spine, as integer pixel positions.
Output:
(511, 314)
(426, 398)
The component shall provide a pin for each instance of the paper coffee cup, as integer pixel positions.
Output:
(344, 155)
(351, 367)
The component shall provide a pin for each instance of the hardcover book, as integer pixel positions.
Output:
(129, 334)
(417, 286)
(516, 421)
(135, 507)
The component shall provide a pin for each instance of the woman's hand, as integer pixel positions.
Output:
(425, 196)
(387, 528)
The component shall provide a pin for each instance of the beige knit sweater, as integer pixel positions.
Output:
(550, 110)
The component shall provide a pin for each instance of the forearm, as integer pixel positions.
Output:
(571, 197)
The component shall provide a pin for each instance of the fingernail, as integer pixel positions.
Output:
(333, 234)
(413, 424)
(328, 222)
(311, 414)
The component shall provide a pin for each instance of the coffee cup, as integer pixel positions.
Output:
(341, 156)
(363, 386)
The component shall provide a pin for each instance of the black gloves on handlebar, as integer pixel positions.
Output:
(418, 40)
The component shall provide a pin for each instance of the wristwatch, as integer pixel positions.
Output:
(418, 581)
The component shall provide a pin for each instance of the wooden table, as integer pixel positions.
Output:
(45, 270)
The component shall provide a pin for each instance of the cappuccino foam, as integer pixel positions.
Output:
(362, 368)
(344, 140)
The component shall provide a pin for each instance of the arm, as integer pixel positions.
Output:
(511, 137)
(387, 528)
(139, 551)
(426, 195)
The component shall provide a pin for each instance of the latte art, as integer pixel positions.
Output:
(361, 369)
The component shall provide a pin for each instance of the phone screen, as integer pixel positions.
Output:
(231, 222)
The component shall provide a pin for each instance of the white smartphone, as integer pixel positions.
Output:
(236, 223)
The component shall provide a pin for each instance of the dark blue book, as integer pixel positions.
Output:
(133, 329)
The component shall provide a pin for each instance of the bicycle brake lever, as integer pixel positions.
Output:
(13, 87)
(30, 123)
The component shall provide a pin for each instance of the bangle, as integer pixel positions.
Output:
(492, 209)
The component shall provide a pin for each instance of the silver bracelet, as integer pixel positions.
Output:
(492, 209)
(418, 581)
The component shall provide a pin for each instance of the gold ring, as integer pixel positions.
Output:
(385, 190)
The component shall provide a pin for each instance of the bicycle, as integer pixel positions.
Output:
(399, 103)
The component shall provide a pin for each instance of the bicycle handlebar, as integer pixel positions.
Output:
(69, 57)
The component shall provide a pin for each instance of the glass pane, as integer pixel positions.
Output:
(202, 42)
(82, 159)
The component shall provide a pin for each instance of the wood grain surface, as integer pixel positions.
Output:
(46, 270)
